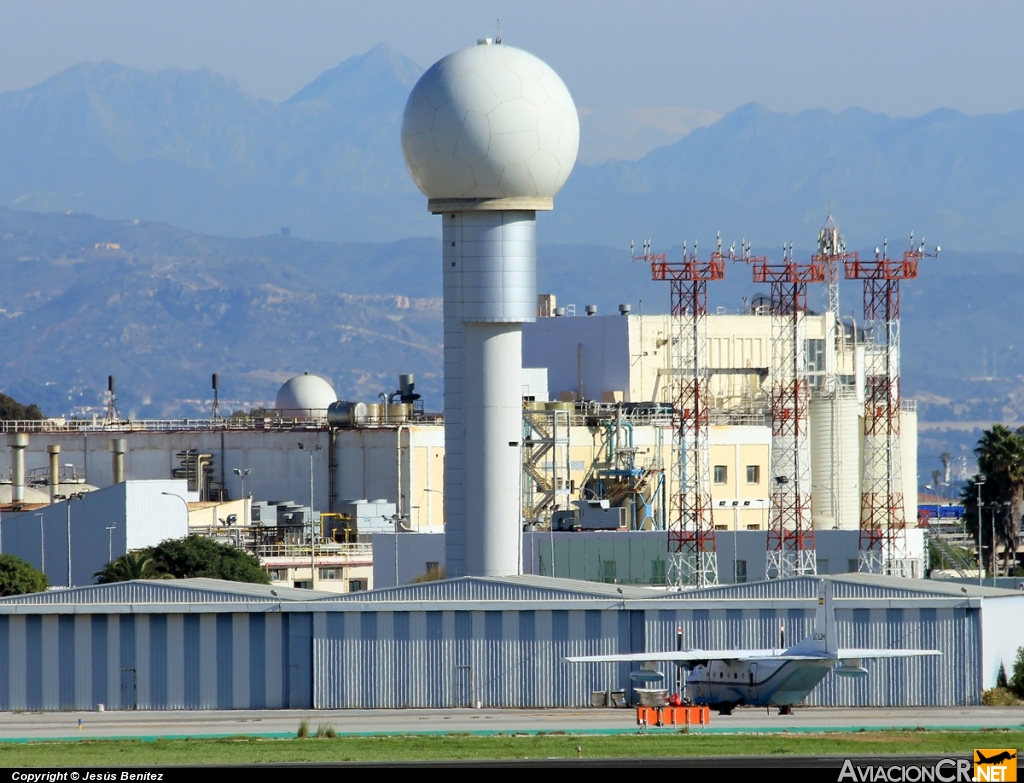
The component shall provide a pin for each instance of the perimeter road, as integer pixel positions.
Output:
(220, 723)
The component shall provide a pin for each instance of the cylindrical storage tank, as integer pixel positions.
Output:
(560, 406)
(348, 414)
(836, 468)
(373, 413)
(397, 413)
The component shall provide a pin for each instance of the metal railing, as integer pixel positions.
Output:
(325, 550)
(239, 423)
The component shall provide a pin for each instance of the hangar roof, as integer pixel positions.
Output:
(165, 591)
(509, 588)
(501, 588)
(848, 586)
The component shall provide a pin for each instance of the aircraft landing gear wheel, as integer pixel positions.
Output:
(786, 710)
(725, 709)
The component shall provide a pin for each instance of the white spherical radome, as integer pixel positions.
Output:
(304, 396)
(490, 122)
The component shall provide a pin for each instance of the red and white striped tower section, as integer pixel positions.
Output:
(693, 560)
(791, 550)
(883, 523)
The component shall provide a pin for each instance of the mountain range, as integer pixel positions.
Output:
(143, 237)
(192, 149)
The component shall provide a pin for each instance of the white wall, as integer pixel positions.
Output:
(1002, 634)
(137, 511)
(415, 550)
(554, 343)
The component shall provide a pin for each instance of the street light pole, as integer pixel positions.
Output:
(110, 542)
(979, 483)
(42, 544)
(312, 523)
(67, 499)
(992, 547)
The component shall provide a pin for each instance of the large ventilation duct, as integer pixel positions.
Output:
(118, 446)
(53, 453)
(18, 441)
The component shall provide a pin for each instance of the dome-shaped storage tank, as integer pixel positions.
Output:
(305, 397)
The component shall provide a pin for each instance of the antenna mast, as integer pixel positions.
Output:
(883, 520)
(112, 416)
(791, 547)
(693, 560)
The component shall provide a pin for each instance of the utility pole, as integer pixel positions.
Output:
(312, 522)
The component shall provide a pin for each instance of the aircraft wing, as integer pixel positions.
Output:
(691, 656)
(867, 652)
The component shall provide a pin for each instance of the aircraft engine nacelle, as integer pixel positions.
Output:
(851, 668)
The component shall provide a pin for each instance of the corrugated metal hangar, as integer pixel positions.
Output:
(499, 642)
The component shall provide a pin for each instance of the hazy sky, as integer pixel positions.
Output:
(644, 72)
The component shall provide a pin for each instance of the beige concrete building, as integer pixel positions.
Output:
(596, 360)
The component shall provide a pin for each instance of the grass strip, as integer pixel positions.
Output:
(248, 750)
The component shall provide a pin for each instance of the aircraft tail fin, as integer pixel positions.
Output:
(824, 639)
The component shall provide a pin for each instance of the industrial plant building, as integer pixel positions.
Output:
(489, 642)
(597, 425)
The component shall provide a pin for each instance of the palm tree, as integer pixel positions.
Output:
(134, 565)
(1000, 454)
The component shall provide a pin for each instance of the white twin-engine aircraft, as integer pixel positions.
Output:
(723, 679)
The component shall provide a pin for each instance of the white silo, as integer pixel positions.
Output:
(489, 135)
(837, 437)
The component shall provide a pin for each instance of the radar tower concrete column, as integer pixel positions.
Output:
(490, 290)
(490, 135)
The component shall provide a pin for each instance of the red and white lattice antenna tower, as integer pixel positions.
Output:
(693, 560)
(883, 522)
(791, 550)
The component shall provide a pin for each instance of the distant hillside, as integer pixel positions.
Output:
(190, 148)
(771, 177)
(167, 307)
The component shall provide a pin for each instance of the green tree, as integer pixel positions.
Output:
(1000, 454)
(12, 410)
(18, 577)
(197, 556)
(1017, 678)
(133, 565)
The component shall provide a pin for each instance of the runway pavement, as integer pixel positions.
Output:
(219, 723)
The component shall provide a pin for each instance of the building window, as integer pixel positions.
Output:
(753, 474)
(609, 571)
(721, 474)
(721, 527)
(815, 362)
(822, 566)
(657, 572)
(328, 573)
(356, 585)
(275, 575)
(852, 566)
(741, 571)
(753, 527)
